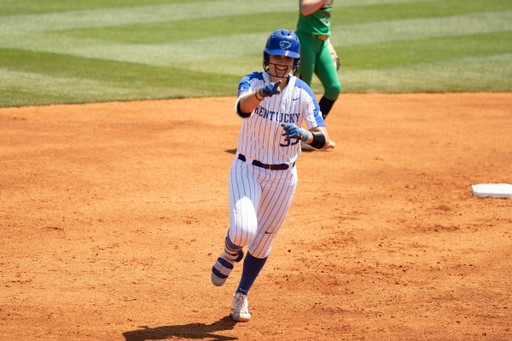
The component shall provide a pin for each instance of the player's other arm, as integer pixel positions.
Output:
(316, 137)
(308, 7)
(320, 130)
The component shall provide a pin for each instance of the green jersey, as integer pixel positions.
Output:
(318, 22)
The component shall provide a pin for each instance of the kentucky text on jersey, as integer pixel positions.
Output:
(276, 116)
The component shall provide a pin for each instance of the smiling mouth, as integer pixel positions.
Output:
(281, 71)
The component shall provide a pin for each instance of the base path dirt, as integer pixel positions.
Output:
(112, 215)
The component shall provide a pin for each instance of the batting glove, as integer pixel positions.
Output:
(294, 132)
(270, 89)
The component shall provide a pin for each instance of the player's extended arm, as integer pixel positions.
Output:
(308, 7)
(317, 137)
(250, 100)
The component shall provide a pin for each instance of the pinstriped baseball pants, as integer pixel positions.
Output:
(259, 200)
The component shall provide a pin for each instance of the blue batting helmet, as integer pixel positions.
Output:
(283, 43)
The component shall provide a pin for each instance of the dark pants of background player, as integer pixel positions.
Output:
(315, 57)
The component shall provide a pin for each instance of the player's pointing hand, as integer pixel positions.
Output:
(294, 132)
(270, 89)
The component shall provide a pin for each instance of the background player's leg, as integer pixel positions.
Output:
(309, 47)
(310, 50)
(328, 75)
(325, 106)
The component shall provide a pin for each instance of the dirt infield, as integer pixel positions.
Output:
(112, 215)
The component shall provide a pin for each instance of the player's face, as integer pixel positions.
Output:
(280, 66)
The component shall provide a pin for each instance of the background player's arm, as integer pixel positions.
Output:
(308, 7)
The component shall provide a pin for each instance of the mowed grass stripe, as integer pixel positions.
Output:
(387, 31)
(489, 73)
(172, 54)
(34, 23)
(353, 57)
(24, 24)
(210, 27)
(471, 74)
(164, 32)
(356, 3)
(169, 13)
(168, 55)
(374, 56)
(18, 86)
(17, 7)
(130, 81)
(71, 66)
(411, 10)
(424, 50)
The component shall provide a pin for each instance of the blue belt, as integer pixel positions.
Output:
(256, 163)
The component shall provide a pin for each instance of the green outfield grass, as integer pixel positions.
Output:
(60, 51)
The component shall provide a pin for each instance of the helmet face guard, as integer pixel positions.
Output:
(282, 43)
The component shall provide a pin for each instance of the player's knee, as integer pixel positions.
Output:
(332, 92)
(242, 236)
(258, 252)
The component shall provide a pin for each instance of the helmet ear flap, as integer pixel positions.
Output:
(266, 61)
(296, 64)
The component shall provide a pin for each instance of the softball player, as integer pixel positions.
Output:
(313, 30)
(262, 180)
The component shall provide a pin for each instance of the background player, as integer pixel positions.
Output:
(263, 177)
(313, 30)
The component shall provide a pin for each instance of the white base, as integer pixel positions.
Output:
(492, 190)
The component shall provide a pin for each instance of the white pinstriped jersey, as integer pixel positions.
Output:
(262, 137)
(259, 198)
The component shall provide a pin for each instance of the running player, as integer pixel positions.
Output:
(313, 30)
(263, 176)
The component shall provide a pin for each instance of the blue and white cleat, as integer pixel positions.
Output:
(241, 308)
